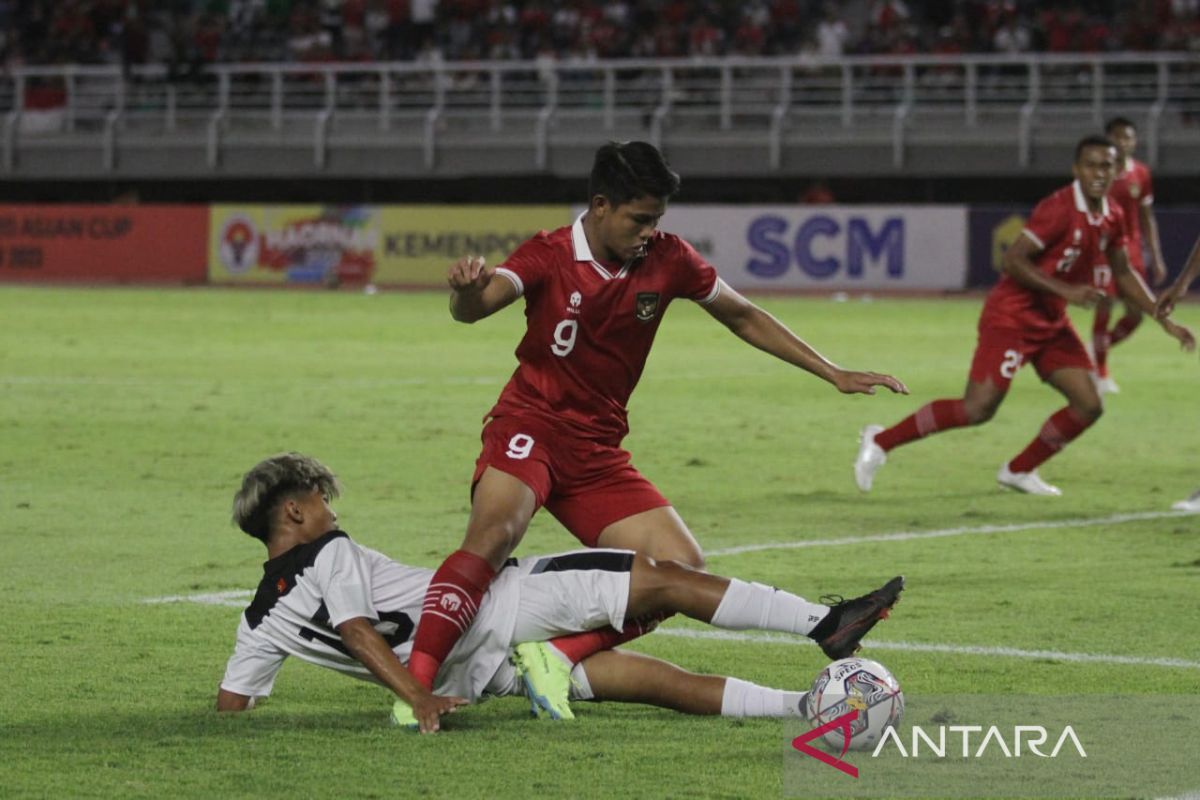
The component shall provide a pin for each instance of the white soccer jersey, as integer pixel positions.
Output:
(311, 589)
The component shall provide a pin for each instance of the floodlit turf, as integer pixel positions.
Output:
(128, 417)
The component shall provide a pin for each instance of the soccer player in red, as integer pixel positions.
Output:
(595, 293)
(1133, 192)
(1073, 238)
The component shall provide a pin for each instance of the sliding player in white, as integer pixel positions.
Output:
(332, 602)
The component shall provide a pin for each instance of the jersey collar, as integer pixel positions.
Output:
(583, 252)
(1082, 206)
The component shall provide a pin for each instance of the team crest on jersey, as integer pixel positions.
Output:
(647, 306)
(1078, 236)
(576, 299)
(1104, 241)
(1135, 190)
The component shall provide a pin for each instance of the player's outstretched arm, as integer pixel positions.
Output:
(760, 329)
(1191, 270)
(365, 644)
(1135, 291)
(473, 292)
(1158, 266)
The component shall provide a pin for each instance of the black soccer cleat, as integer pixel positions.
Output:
(849, 621)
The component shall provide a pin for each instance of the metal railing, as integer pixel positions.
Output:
(889, 99)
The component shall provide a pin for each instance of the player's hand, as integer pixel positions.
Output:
(429, 709)
(469, 275)
(1084, 296)
(848, 382)
(1181, 333)
(1164, 305)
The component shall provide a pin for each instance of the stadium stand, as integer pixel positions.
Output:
(350, 88)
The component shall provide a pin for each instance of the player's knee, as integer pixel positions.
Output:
(660, 578)
(1089, 410)
(979, 413)
(496, 539)
(686, 554)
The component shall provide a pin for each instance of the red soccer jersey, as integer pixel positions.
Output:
(589, 326)
(1073, 243)
(1130, 190)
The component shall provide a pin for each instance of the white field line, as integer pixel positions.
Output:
(966, 530)
(951, 649)
(238, 598)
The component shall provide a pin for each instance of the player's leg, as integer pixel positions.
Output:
(628, 677)
(659, 533)
(1126, 325)
(997, 358)
(624, 511)
(511, 481)
(658, 587)
(587, 589)
(1064, 364)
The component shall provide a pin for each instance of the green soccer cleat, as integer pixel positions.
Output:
(402, 715)
(546, 677)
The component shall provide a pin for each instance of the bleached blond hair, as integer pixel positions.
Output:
(273, 480)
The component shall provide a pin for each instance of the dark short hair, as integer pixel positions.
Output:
(626, 171)
(1118, 122)
(273, 480)
(1092, 140)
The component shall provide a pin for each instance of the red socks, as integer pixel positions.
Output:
(451, 603)
(1100, 338)
(1103, 339)
(1062, 427)
(579, 646)
(1122, 330)
(940, 415)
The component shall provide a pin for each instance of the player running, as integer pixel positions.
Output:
(595, 293)
(332, 602)
(1133, 192)
(1073, 238)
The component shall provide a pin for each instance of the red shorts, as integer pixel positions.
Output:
(1002, 351)
(586, 485)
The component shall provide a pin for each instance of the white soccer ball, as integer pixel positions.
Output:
(855, 684)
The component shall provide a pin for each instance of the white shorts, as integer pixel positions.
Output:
(580, 590)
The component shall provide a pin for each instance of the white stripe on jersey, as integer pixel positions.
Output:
(1041, 245)
(514, 278)
(708, 298)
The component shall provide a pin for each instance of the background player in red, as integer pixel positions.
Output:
(1133, 192)
(1165, 305)
(1073, 237)
(595, 292)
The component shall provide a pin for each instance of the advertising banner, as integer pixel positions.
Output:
(402, 246)
(992, 229)
(829, 247)
(103, 244)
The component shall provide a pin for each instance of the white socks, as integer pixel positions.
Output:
(744, 699)
(755, 605)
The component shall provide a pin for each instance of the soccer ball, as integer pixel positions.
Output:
(855, 684)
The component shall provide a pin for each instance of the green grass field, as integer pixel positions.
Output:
(128, 417)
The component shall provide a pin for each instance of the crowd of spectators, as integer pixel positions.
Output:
(183, 34)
